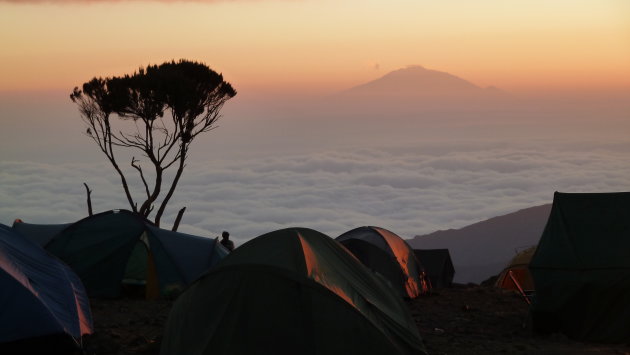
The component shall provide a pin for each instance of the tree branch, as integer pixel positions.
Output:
(180, 214)
(117, 168)
(134, 163)
(169, 194)
(89, 199)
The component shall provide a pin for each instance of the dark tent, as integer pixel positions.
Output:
(438, 265)
(389, 255)
(581, 268)
(116, 248)
(42, 302)
(292, 291)
(39, 233)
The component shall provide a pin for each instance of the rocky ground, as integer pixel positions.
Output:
(127, 326)
(485, 320)
(460, 320)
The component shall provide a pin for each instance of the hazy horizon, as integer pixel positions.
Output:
(331, 164)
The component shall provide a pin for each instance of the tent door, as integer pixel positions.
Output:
(140, 279)
(152, 288)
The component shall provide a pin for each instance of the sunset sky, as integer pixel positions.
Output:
(320, 46)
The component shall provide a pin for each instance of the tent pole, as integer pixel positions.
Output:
(520, 289)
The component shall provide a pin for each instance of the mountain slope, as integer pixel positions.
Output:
(419, 81)
(482, 249)
(419, 93)
(415, 79)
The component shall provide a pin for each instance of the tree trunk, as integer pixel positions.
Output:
(180, 170)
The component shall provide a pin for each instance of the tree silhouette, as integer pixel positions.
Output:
(158, 110)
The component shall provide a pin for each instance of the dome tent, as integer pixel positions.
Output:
(389, 255)
(43, 303)
(39, 233)
(292, 291)
(516, 274)
(118, 246)
(581, 268)
(438, 265)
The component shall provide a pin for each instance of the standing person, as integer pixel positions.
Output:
(226, 242)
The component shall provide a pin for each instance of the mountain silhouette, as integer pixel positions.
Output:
(483, 249)
(419, 81)
(419, 93)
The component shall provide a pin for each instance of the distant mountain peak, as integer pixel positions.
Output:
(416, 80)
(419, 70)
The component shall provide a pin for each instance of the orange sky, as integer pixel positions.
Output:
(321, 45)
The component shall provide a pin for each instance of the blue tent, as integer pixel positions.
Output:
(115, 251)
(42, 302)
(39, 233)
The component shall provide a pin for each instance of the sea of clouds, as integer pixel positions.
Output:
(411, 189)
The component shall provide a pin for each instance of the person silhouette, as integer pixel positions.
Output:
(226, 242)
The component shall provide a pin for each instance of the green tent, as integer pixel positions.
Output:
(119, 248)
(292, 291)
(387, 254)
(581, 269)
(438, 265)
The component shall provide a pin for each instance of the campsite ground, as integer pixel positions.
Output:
(460, 320)
(485, 320)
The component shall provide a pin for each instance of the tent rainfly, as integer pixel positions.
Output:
(388, 255)
(39, 233)
(516, 275)
(581, 268)
(118, 248)
(43, 304)
(292, 291)
(438, 265)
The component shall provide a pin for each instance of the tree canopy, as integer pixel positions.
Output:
(169, 105)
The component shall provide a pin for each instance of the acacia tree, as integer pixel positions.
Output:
(157, 111)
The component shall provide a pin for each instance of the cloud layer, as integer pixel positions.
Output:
(411, 190)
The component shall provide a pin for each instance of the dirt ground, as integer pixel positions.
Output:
(459, 320)
(127, 326)
(485, 320)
